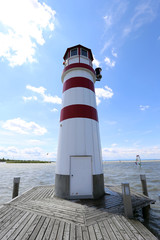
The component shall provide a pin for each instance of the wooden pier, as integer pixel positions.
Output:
(38, 214)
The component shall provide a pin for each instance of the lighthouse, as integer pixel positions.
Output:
(79, 173)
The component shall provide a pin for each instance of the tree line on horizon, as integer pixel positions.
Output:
(22, 161)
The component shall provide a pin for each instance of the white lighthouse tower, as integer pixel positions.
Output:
(79, 173)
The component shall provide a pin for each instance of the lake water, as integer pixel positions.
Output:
(114, 173)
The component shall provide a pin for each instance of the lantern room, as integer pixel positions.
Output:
(78, 54)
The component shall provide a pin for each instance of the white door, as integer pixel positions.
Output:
(81, 177)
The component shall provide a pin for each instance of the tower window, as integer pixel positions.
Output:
(83, 52)
(74, 52)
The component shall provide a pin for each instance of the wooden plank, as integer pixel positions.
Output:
(21, 234)
(8, 218)
(52, 208)
(130, 224)
(91, 233)
(72, 231)
(127, 229)
(109, 230)
(31, 228)
(97, 231)
(122, 231)
(79, 232)
(43, 229)
(144, 231)
(85, 233)
(114, 228)
(49, 229)
(50, 194)
(37, 229)
(43, 194)
(7, 215)
(21, 226)
(3, 210)
(60, 231)
(92, 219)
(54, 232)
(105, 235)
(66, 234)
(10, 222)
(53, 211)
(14, 227)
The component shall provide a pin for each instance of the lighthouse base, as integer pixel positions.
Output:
(63, 188)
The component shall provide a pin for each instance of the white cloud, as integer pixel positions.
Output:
(33, 153)
(51, 99)
(95, 62)
(145, 12)
(143, 108)
(112, 153)
(29, 98)
(116, 153)
(123, 17)
(24, 23)
(114, 54)
(104, 93)
(107, 45)
(39, 90)
(18, 125)
(115, 10)
(108, 20)
(114, 144)
(110, 63)
(54, 110)
(35, 142)
(46, 98)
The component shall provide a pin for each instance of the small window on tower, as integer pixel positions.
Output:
(74, 52)
(83, 52)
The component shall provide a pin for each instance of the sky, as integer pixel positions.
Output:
(124, 37)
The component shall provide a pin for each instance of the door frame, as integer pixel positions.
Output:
(81, 196)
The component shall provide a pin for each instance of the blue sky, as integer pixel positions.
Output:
(124, 37)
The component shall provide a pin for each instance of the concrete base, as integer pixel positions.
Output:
(62, 187)
(98, 186)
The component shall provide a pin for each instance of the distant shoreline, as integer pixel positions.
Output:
(104, 161)
(23, 161)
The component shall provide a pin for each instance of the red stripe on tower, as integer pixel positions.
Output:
(78, 111)
(78, 82)
(78, 65)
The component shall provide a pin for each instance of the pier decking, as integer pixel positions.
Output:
(38, 214)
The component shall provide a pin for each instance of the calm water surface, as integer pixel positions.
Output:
(114, 173)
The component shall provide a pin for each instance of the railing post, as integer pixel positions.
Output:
(145, 210)
(144, 184)
(127, 200)
(16, 182)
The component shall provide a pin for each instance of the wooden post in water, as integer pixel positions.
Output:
(127, 200)
(16, 182)
(144, 184)
(145, 210)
